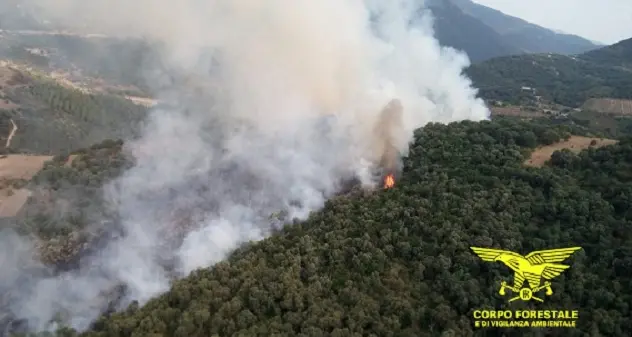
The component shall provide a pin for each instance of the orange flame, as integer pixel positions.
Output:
(389, 181)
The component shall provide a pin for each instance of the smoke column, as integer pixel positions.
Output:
(288, 97)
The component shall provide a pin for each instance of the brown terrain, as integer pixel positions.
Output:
(14, 169)
(17, 169)
(575, 144)
(515, 111)
(609, 106)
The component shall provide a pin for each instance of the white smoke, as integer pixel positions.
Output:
(251, 143)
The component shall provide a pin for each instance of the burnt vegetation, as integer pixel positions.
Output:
(397, 262)
(67, 197)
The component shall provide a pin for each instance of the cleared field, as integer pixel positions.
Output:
(11, 201)
(17, 167)
(575, 144)
(609, 105)
(515, 111)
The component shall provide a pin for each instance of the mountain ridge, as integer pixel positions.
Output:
(480, 31)
(509, 35)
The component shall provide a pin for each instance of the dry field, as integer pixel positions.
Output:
(514, 111)
(609, 106)
(17, 167)
(575, 144)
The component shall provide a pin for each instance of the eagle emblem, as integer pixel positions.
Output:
(535, 266)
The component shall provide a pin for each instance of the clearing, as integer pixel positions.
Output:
(17, 167)
(621, 107)
(575, 144)
(514, 111)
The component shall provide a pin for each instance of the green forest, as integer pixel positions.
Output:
(397, 262)
(386, 262)
(566, 80)
(561, 79)
(53, 119)
(76, 180)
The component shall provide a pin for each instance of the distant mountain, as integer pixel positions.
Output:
(480, 31)
(567, 80)
(456, 29)
(484, 33)
(527, 36)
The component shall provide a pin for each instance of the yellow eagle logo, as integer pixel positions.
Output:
(532, 267)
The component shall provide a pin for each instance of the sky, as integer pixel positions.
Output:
(605, 21)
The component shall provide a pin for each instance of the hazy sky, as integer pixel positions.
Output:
(606, 21)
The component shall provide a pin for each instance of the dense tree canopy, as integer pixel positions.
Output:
(618, 54)
(53, 119)
(562, 79)
(397, 262)
(371, 263)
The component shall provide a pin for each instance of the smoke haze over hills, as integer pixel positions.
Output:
(253, 139)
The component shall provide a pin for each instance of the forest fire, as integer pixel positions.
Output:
(387, 131)
(389, 181)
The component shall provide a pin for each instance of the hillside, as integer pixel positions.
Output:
(567, 80)
(619, 107)
(390, 262)
(618, 54)
(485, 33)
(65, 196)
(528, 37)
(39, 114)
(118, 62)
(456, 29)
(397, 262)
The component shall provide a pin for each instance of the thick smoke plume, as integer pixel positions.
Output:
(389, 138)
(289, 100)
